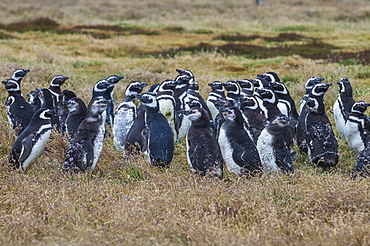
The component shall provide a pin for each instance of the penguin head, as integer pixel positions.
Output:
(232, 87)
(101, 86)
(312, 104)
(281, 120)
(249, 102)
(44, 113)
(149, 99)
(279, 87)
(135, 88)
(11, 85)
(66, 95)
(246, 84)
(229, 112)
(98, 105)
(74, 104)
(312, 81)
(359, 107)
(185, 72)
(58, 80)
(260, 83)
(19, 74)
(344, 85)
(45, 97)
(221, 102)
(154, 88)
(32, 96)
(167, 85)
(193, 85)
(320, 89)
(217, 86)
(266, 95)
(183, 81)
(195, 113)
(269, 77)
(114, 79)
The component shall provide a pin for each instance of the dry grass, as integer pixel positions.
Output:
(128, 202)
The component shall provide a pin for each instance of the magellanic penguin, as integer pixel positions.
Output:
(309, 84)
(217, 92)
(166, 102)
(160, 137)
(357, 127)
(47, 101)
(19, 74)
(342, 106)
(286, 103)
(63, 110)
(362, 168)
(83, 150)
(19, 111)
(34, 100)
(253, 115)
(112, 80)
(203, 152)
(77, 113)
(99, 90)
(269, 103)
(125, 114)
(238, 149)
(137, 137)
(321, 142)
(274, 146)
(317, 91)
(31, 143)
(55, 90)
(270, 77)
(247, 87)
(232, 89)
(182, 123)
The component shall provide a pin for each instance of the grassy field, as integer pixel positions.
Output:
(128, 202)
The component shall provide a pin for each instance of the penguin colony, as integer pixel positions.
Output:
(246, 127)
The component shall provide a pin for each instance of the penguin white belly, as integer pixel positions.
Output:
(212, 109)
(187, 155)
(168, 110)
(125, 115)
(353, 137)
(37, 148)
(340, 121)
(227, 153)
(98, 142)
(283, 106)
(266, 152)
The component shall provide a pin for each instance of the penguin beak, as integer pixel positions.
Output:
(143, 85)
(4, 82)
(64, 102)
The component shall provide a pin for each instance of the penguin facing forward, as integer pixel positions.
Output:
(357, 127)
(19, 111)
(309, 84)
(83, 150)
(203, 152)
(274, 146)
(232, 90)
(247, 87)
(112, 80)
(160, 137)
(217, 92)
(342, 106)
(321, 142)
(269, 103)
(125, 114)
(238, 149)
(77, 113)
(31, 142)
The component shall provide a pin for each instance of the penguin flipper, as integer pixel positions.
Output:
(26, 147)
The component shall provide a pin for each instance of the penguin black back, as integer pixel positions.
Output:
(77, 113)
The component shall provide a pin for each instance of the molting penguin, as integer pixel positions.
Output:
(274, 146)
(83, 150)
(203, 152)
(342, 106)
(362, 168)
(77, 113)
(321, 142)
(112, 80)
(166, 103)
(357, 127)
(238, 149)
(160, 137)
(63, 110)
(217, 92)
(19, 111)
(125, 114)
(31, 142)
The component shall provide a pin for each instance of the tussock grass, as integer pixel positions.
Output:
(127, 201)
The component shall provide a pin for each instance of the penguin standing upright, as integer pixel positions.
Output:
(238, 149)
(357, 127)
(182, 123)
(269, 103)
(160, 137)
(203, 152)
(112, 81)
(321, 142)
(63, 110)
(77, 113)
(31, 142)
(19, 111)
(19, 74)
(342, 106)
(47, 101)
(55, 90)
(98, 91)
(166, 103)
(137, 137)
(83, 150)
(274, 145)
(217, 92)
(309, 84)
(286, 103)
(125, 114)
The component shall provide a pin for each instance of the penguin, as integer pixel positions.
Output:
(112, 81)
(362, 168)
(238, 149)
(203, 151)
(137, 137)
(232, 90)
(98, 91)
(182, 123)
(357, 127)
(63, 110)
(18, 75)
(19, 111)
(34, 100)
(47, 101)
(309, 84)
(166, 103)
(185, 72)
(77, 113)
(31, 142)
(321, 142)
(217, 92)
(253, 115)
(160, 137)
(342, 106)
(269, 103)
(55, 90)
(273, 146)
(247, 87)
(83, 149)
(270, 77)
(317, 91)
(286, 103)
(125, 114)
